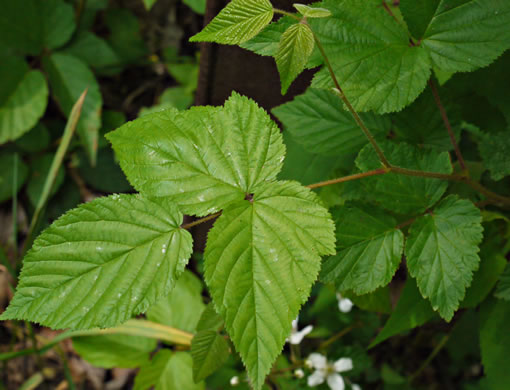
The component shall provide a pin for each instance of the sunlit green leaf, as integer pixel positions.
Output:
(312, 12)
(102, 263)
(261, 259)
(204, 158)
(239, 21)
(296, 46)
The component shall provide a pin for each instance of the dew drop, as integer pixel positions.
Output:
(119, 295)
(181, 190)
(158, 264)
(99, 248)
(163, 250)
(201, 198)
(268, 281)
(85, 309)
(62, 294)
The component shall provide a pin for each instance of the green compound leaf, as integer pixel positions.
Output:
(369, 249)
(317, 120)
(495, 152)
(29, 26)
(266, 42)
(411, 311)
(167, 371)
(311, 12)
(23, 97)
(442, 252)
(102, 263)
(238, 22)
(467, 34)
(296, 46)
(503, 287)
(495, 342)
(204, 158)
(209, 351)
(115, 350)
(69, 77)
(371, 56)
(261, 259)
(183, 307)
(399, 193)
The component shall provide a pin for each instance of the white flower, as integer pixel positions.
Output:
(344, 304)
(234, 381)
(296, 336)
(328, 371)
(299, 373)
(354, 386)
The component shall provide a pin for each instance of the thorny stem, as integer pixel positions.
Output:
(379, 171)
(201, 220)
(290, 14)
(437, 99)
(492, 196)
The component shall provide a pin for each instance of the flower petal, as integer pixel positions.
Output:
(297, 337)
(318, 361)
(316, 378)
(295, 324)
(355, 386)
(345, 305)
(343, 364)
(336, 382)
